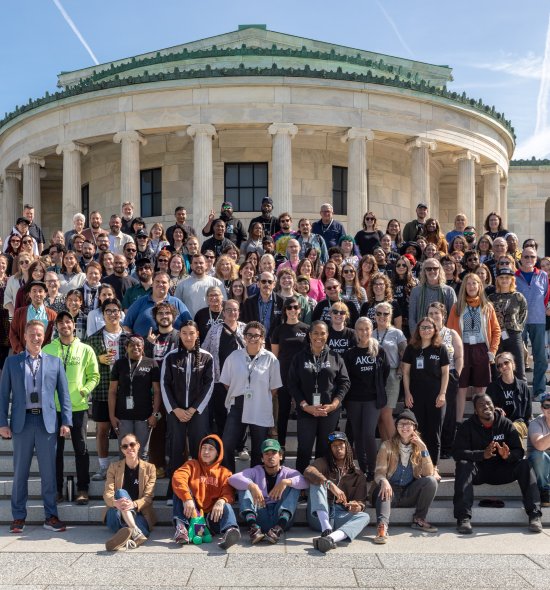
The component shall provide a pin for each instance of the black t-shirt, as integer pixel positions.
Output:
(131, 481)
(368, 241)
(361, 368)
(270, 480)
(341, 341)
(140, 388)
(119, 284)
(206, 319)
(426, 366)
(369, 310)
(164, 344)
(291, 339)
(229, 342)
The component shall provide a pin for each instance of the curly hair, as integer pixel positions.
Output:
(388, 291)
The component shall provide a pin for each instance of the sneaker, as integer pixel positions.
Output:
(17, 526)
(464, 526)
(325, 544)
(420, 524)
(381, 534)
(255, 534)
(181, 536)
(54, 524)
(545, 498)
(138, 537)
(120, 540)
(230, 537)
(243, 455)
(101, 475)
(82, 498)
(274, 534)
(535, 525)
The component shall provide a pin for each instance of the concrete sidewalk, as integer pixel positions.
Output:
(491, 558)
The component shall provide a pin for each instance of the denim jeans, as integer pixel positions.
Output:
(350, 523)
(114, 519)
(536, 336)
(540, 462)
(267, 517)
(227, 520)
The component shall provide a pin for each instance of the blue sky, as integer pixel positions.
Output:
(495, 47)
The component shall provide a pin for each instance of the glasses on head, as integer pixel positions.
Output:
(425, 328)
(503, 364)
(348, 271)
(337, 312)
(131, 445)
(112, 311)
(250, 336)
(295, 307)
(266, 281)
(432, 268)
(383, 313)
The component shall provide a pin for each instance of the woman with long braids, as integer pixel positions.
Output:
(186, 383)
(368, 371)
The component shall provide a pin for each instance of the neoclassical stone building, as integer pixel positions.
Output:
(255, 112)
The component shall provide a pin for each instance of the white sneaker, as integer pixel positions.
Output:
(244, 455)
(100, 475)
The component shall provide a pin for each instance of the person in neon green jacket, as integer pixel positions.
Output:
(82, 370)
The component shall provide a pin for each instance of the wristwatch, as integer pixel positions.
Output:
(157, 415)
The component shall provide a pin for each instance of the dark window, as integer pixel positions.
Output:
(85, 202)
(246, 185)
(151, 192)
(340, 190)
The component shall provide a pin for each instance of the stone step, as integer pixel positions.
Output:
(441, 513)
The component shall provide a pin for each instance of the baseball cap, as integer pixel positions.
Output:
(337, 435)
(268, 200)
(227, 205)
(270, 444)
(505, 271)
(422, 206)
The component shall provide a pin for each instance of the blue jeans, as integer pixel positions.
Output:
(227, 520)
(114, 519)
(350, 523)
(540, 462)
(267, 517)
(536, 336)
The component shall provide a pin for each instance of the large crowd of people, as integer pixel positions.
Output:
(184, 351)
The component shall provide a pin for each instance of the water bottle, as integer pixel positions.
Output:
(70, 488)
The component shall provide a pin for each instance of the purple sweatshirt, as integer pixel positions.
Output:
(240, 481)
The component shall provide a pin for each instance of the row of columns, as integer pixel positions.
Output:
(495, 193)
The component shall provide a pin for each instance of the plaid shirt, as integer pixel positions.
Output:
(97, 342)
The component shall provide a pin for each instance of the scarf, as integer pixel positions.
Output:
(473, 301)
(405, 452)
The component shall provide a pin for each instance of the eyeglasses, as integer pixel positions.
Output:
(250, 336)
(383, 313)
(432, 269)
(337, 312)
(231, 310)
(24, 262)
(378, 284)
(425, 328)
(295, 307)
(112, 311)
(403, 424)
(348, 271)
(266, 281)
(505, 262)
(527, 257)
(131, 445)
(503, 364)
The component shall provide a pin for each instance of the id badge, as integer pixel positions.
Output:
(504, 335)
(471, 340)
(129, 402)
(34, 397)
(316, 399)
(419, 362)
(248, 393)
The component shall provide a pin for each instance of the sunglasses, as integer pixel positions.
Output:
(163, 259)
(400, 265)
(369, 218)
(426, 328)
(337, 312)
(266, 282)
(130, 250)
(331, 288)
(545, 405)
(30, 242)
(130, 445)
(296, 307)
(503, 364)
(383, 313)
(210, 257)
(432, 269)
(348, 271)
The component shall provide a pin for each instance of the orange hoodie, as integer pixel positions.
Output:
(205, 484)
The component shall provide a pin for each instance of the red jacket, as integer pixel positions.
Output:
(17, 328)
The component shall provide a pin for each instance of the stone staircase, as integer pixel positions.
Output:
(441, 512)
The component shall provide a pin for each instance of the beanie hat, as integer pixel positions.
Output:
(213, 442)
(407, 415)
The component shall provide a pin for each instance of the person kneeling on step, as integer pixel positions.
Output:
(337, 495)
(404, 477)
(129, 492)
(538, 449)
(487, 449)
(201, 486)
(268, 494)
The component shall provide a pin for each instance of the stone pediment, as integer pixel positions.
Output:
(253, 46)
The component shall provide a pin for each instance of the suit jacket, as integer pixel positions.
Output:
(12, 388)
(17, 328)
(147, 480)
(250, 312)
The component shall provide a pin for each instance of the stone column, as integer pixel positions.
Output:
(129, 166)
(31, 183)
(358, 203)
(203, 177)
(72, 184)
(420, 148)
(281, 162)
(504, 200)
(10, 208)
(491, 188)
(466, 184)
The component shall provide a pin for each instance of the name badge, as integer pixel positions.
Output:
(471, 340)
(248, 393)
(316, 399)
(419, 362)
(129, 402)
(504, 335)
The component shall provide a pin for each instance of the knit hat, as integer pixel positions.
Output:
(407, 415)
(213, 442)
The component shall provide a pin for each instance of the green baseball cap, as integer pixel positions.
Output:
(270, 444)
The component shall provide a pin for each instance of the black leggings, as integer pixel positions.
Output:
(430, 422)
(364, 418)
(312, 430)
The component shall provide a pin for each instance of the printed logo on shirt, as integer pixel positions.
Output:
(301, 334)
(498, 436)
(342, 343)
(311, 366)
(434, 357)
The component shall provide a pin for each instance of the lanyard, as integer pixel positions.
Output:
(132, 373)
(65, 356)
(317, 366)
(34, 368)
(323, 229)
(381, 340)
(251, 366)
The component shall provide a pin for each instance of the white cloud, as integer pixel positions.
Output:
(537, 145)
(529, 66)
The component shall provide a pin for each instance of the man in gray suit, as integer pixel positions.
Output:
(30, 380)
